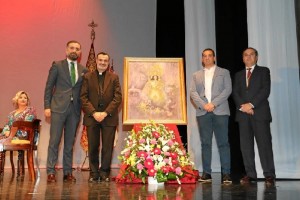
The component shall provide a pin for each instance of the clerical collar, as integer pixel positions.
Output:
(102, 73)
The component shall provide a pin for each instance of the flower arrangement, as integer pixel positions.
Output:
(154, 151)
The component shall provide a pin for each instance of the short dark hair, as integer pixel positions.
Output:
(103, 53)
(209, 49)
(73, 41)
(255, 51)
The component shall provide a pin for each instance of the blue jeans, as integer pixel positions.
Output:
(217, 124)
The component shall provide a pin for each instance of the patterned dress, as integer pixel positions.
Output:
(29, 114)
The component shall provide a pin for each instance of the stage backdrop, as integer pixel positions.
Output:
(34, 33)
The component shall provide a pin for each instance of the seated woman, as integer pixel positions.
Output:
(22, 112)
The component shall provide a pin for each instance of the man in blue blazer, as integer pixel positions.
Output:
(63, 105)
(251, 90)
(210, 89)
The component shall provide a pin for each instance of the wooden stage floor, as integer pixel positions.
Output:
(12, 188)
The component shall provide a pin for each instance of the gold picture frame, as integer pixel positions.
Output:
(154, 90)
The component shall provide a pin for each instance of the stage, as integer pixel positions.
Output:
(12, 188)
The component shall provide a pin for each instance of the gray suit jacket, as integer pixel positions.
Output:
(221, 89)
(59, 89)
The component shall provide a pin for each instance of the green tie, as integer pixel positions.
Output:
(73, 76)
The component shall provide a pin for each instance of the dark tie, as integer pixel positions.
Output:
(73, 76)
(248, 75)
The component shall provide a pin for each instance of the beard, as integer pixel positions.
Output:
(73, 56)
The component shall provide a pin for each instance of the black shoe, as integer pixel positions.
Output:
(269, 181)
(247, 180)
(94, 180)
(105, 178)
(69, 178)
(226, 179)
(205, 178)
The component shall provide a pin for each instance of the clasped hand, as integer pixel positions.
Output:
(209, 107)
(247, 108)
(99, 116)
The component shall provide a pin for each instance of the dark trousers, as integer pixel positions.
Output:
(107, 141)
(66, 123)
(260, 130)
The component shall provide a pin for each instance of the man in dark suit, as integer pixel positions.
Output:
(210, 89)
(250, 92)
(62, 104)
(101, 97)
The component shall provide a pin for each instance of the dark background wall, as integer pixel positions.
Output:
(170, 37)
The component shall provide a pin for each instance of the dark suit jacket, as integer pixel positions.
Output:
(59, 89)
(256, 93)
(110, 100)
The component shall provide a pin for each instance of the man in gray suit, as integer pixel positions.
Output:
(210, 89)
(62, 104)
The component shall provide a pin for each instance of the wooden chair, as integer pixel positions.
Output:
(29, 145)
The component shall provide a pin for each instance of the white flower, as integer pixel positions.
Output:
(147, 148)
(165, 148)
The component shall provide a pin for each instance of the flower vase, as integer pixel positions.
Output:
(153, 185)
(153, 181)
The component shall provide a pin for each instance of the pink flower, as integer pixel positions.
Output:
(166, 160)
(178, 170)
(142, 154)
(153, 141)
(142, 141)
(155, 134)
(167, 153)
(151, 172)
(149, 163)
(170, 143)
(157, 151)
(139, 166)
(127, 153)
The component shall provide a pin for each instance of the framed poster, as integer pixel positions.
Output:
(154, 90)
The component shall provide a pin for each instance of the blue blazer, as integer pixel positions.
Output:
(221, 89)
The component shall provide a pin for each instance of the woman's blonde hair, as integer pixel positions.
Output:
(17, 96)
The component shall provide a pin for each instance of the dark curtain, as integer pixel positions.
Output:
(170, 37)
(231, 40)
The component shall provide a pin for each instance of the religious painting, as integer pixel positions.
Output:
(154, 90)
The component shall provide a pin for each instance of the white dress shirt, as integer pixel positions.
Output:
(209, 74)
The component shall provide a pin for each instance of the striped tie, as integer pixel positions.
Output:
(248, 75)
